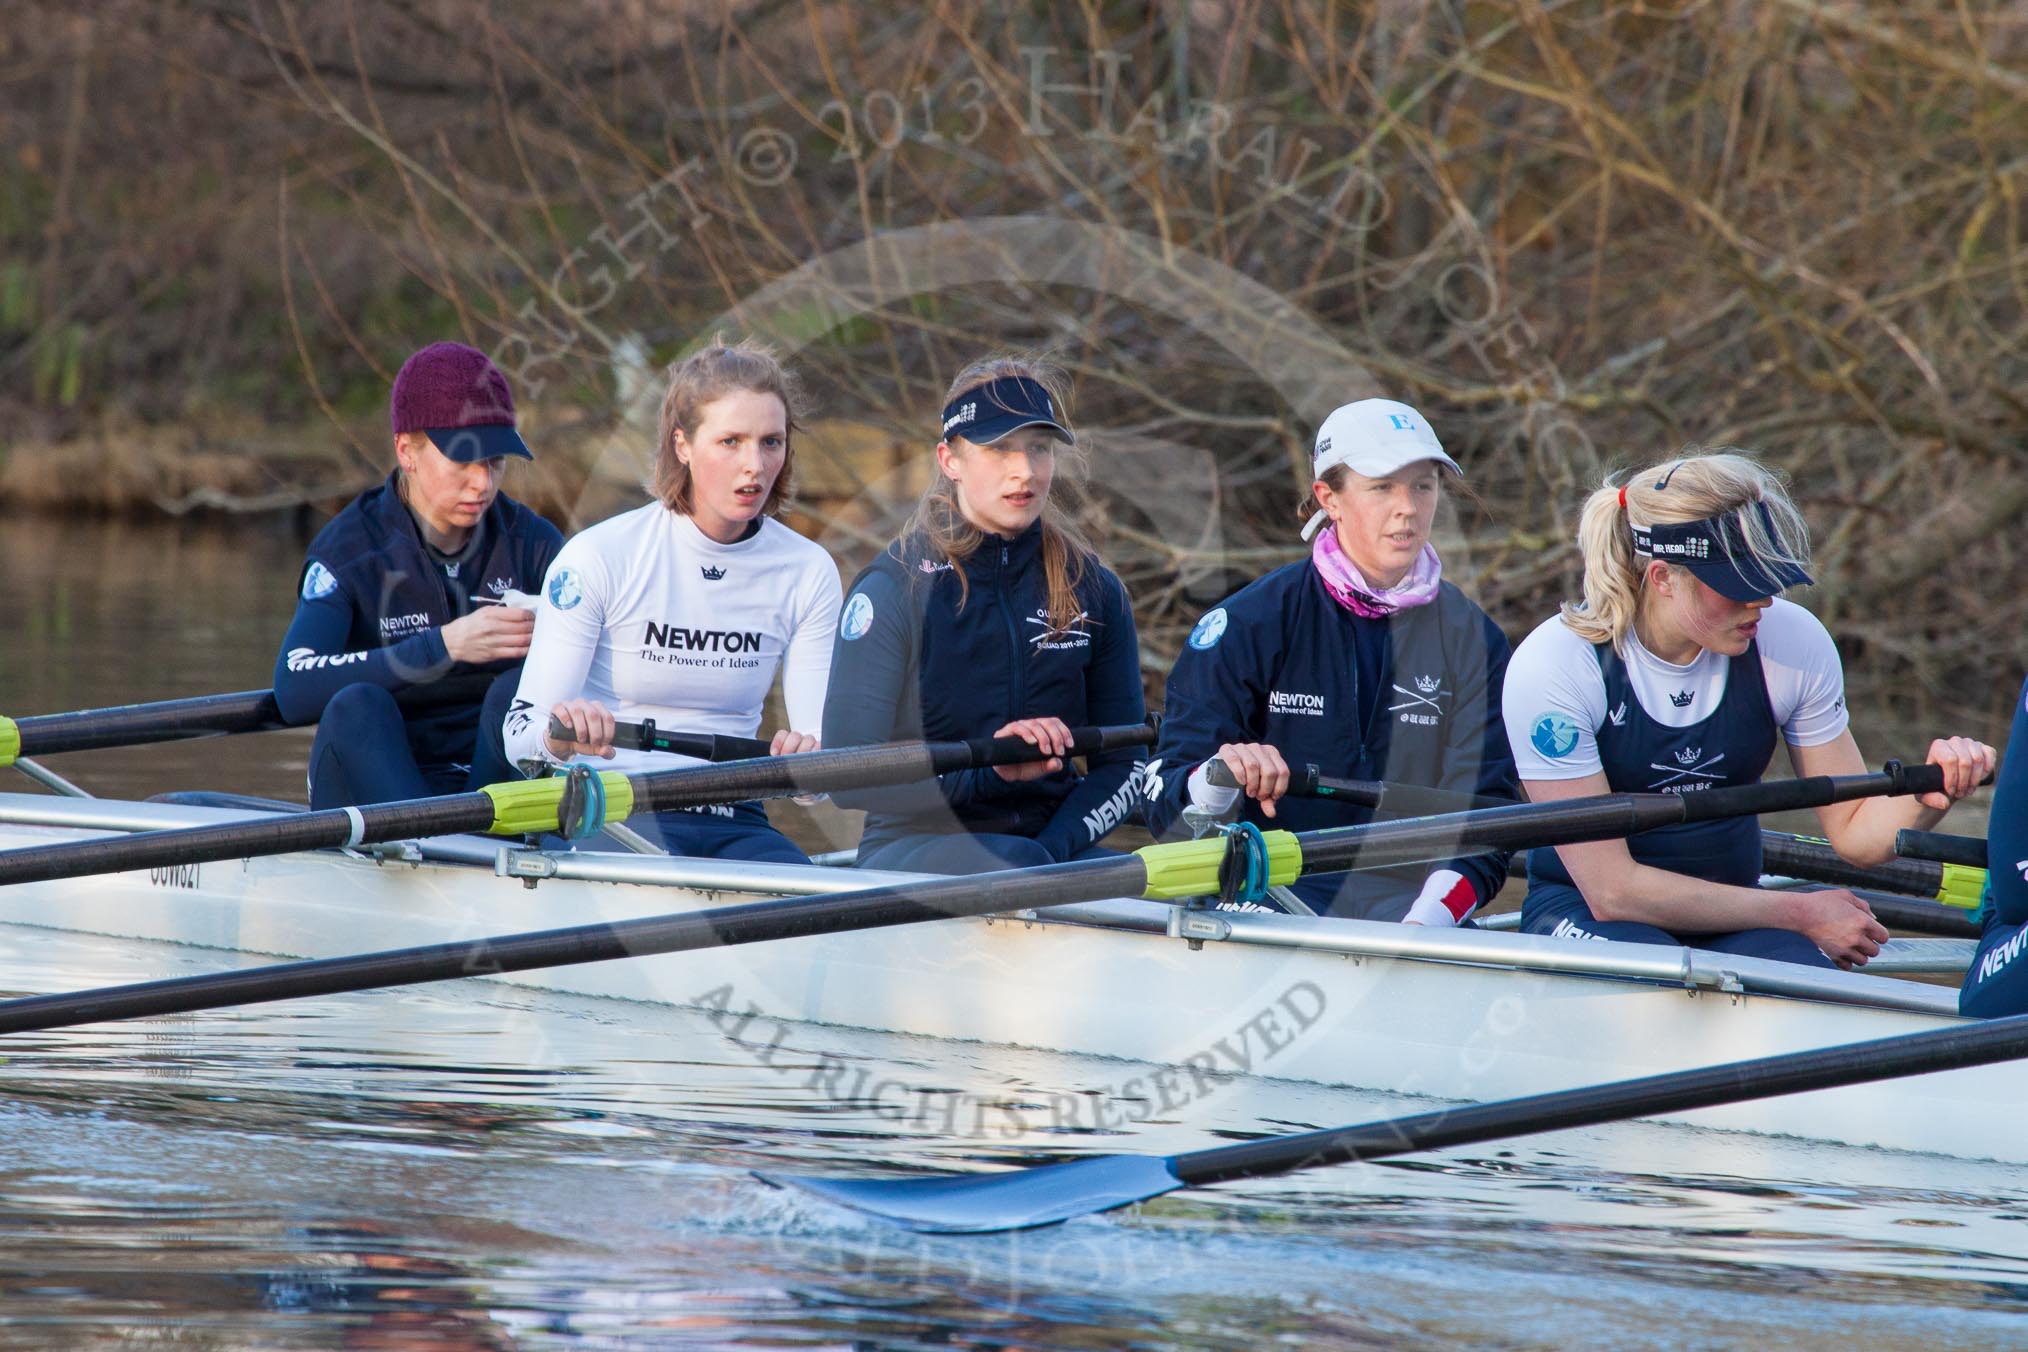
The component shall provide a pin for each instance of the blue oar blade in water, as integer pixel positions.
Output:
(976, 1204)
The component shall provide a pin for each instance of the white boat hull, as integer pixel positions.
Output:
(1189, 1026)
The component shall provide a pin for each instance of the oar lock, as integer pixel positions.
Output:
(1245, 870)
(581, 811)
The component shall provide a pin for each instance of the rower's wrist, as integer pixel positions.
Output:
(1792, 911)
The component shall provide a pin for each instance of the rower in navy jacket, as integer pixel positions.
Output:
(1678, 673)
(418, 595)
(990, 617)
(1996, 984)
(1361, 660)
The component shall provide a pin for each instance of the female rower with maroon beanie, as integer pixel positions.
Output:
(413, 607)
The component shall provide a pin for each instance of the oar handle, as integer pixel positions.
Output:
(645, 736)
(1966, 851)
(1303, 781)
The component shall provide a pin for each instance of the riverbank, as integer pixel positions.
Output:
(227, 467)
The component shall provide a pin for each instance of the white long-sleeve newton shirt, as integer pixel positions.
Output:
(654, 619)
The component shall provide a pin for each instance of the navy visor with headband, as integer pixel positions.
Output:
(986, 413)
(1716, 553)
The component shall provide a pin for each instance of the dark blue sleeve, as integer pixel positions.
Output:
(546, 543)
(1477, 759)
(867, 698)
(1215, 695)
(315, 664)
(2007, 826)
(1106, 795)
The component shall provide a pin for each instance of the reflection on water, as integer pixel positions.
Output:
(486, 1167)
(109, 612)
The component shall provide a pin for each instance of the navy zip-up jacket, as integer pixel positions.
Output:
(912, 662)
(1414, 698)
(373, 601)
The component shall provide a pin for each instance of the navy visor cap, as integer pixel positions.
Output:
(985, 414)
(486, 441)
(1715, 551)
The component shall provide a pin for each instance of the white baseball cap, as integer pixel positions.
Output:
(1374, 437)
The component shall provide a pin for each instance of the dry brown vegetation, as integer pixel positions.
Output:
(1575, 234)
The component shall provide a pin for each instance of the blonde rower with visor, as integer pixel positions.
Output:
(1679, 672)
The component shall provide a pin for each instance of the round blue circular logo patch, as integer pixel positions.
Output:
(1553, 734)
(858, 617)
(1209, 630)
(564, 589)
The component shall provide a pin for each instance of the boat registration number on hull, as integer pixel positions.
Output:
(174, 875)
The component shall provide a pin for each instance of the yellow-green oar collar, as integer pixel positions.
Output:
(529, 806)
(1189, 868)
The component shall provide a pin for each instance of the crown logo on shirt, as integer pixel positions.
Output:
(711, 574)
(1688, 755)
(1681, 699)
(1427, 684)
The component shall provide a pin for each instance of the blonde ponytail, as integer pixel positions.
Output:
(1688, 488)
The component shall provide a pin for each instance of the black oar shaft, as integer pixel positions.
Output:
(1418, 840)
(1678, 1091)
(1919, 917)
(1387, 797)
(689, 786)
(133, 724)
(858, 767)
(282, 833)
(752, 922)
(1802, 857)
(1968, 851)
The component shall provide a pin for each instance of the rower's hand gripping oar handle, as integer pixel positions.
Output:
(645, 736)
(1303, 781)
(984, 751)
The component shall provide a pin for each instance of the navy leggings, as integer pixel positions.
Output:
(1996, 984)
(361, 753)
(735, 831)
(961, 852)
(1555, 909)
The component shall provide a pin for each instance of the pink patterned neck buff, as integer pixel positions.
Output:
(1352, 591)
